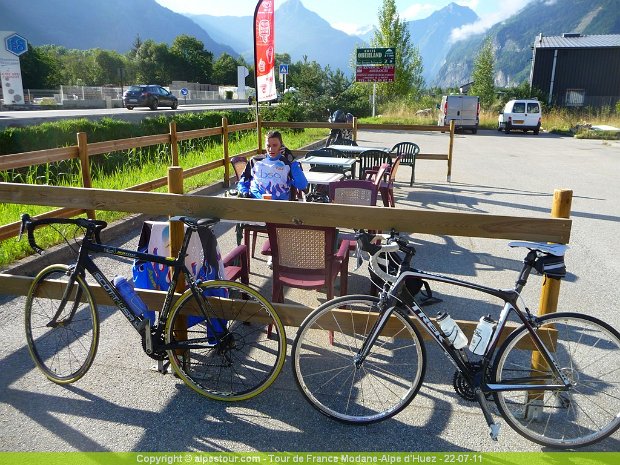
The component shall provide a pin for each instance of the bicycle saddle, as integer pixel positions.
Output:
(196, 222)
(554, 249)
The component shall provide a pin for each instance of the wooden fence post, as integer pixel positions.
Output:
(225, 147)
(177, 231)
(174, 145)
(550, 293)
(450, 148)
(82, 142)
(562, 200)
(259, 134)
(354, 128)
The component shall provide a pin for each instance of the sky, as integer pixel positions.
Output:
(358, 16)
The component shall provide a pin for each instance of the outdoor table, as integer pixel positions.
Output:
(343, 164)
(316, 178)
(356, 149)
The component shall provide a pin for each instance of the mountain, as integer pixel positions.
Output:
(108, 24)
(299, 32)
(430, 35)
(513, 38)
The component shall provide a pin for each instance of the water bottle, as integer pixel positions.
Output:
(125, 288)
(482, 335)
(451, 330)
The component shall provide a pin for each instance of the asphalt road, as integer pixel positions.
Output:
(122, 405)
(29, 117)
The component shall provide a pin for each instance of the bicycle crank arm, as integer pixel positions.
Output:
(493, 426)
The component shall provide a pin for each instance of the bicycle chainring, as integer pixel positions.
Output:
(158, 341)
(460, 384)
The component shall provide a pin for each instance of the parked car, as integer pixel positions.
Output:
(524, 115)
(464, 110)
(151, 96)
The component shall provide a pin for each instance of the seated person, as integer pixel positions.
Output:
(272, 174)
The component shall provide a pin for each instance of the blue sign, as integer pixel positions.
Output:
(184, 91)
(283, 69)
(16, 44)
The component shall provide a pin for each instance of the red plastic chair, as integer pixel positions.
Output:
(304, 258)
(236, 265)
(384, 179)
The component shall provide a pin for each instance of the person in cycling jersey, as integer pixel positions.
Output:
(273, 174)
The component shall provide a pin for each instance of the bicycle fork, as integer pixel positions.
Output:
(361, 355)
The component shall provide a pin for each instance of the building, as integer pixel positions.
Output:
(577, 70)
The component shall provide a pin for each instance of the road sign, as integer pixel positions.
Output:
(16, 44)
(374, 73)
(283, 69)
(376, 56)
(184, 91)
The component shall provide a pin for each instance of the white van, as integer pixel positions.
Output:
(464, 110)
(523, 115)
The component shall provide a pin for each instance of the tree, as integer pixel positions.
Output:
(194, 63)
(107, 68)
(40, 69)
(154, 63)
(392, 32)
(225, 70)
(483, 75)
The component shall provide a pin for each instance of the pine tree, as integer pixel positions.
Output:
(483, 75)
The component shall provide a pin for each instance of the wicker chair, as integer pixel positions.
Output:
(352, 192)
(304, 258)
(408, 151)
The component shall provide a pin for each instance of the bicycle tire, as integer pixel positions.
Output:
(234, 367)
(325, 372)
(65, 352)
(587, 350)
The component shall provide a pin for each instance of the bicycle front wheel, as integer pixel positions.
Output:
(63, 350)
(233, 351)
(587, 351)
(325, 351)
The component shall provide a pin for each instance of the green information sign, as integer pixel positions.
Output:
(376, 56)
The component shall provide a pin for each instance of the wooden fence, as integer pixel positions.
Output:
(76, 200)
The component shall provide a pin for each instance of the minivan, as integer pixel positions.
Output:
(464, 110)
(524, 115)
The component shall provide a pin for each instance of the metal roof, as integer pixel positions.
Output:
(573, 40)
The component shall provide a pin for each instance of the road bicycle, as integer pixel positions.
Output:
(555, 379)
(222, 338)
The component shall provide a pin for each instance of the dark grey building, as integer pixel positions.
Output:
(577, 70)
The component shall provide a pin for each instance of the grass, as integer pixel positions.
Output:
(124, 169)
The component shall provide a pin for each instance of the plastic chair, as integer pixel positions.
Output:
(236, 265)
(352, 192)
(238, 163)
(304, 258)
(408, 151)
(371, 160)
(384, 178)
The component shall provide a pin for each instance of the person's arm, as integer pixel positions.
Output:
(298, 178)
(243, 186)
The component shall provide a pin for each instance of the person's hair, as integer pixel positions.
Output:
(275, 135)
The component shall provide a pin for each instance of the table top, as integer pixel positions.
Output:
(356, 149)
(333, 161)
(321, 177)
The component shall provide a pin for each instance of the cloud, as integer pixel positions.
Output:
(487, 21)
(352, 29)
(417, 11)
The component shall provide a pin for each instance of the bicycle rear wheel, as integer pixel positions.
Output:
(324, 353)
(65, 351)
(587, 351)
(235, 351)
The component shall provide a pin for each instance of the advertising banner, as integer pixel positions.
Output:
(264, 50)
(374, 73)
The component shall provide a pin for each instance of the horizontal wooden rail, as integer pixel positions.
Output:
(12, 229)
(402, 127)
(290, 314)
(431, 156)
(305, 124)
(251, 126)
(196, 133)
(318, 214)
(97, 148)
(38, 157)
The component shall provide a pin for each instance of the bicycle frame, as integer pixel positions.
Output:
(458, 357)
(140, 323)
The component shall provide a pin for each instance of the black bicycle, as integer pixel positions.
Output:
(555, 378)
(222, 338)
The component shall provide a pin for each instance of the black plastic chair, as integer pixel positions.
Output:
(407, 151)
(371, 160)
